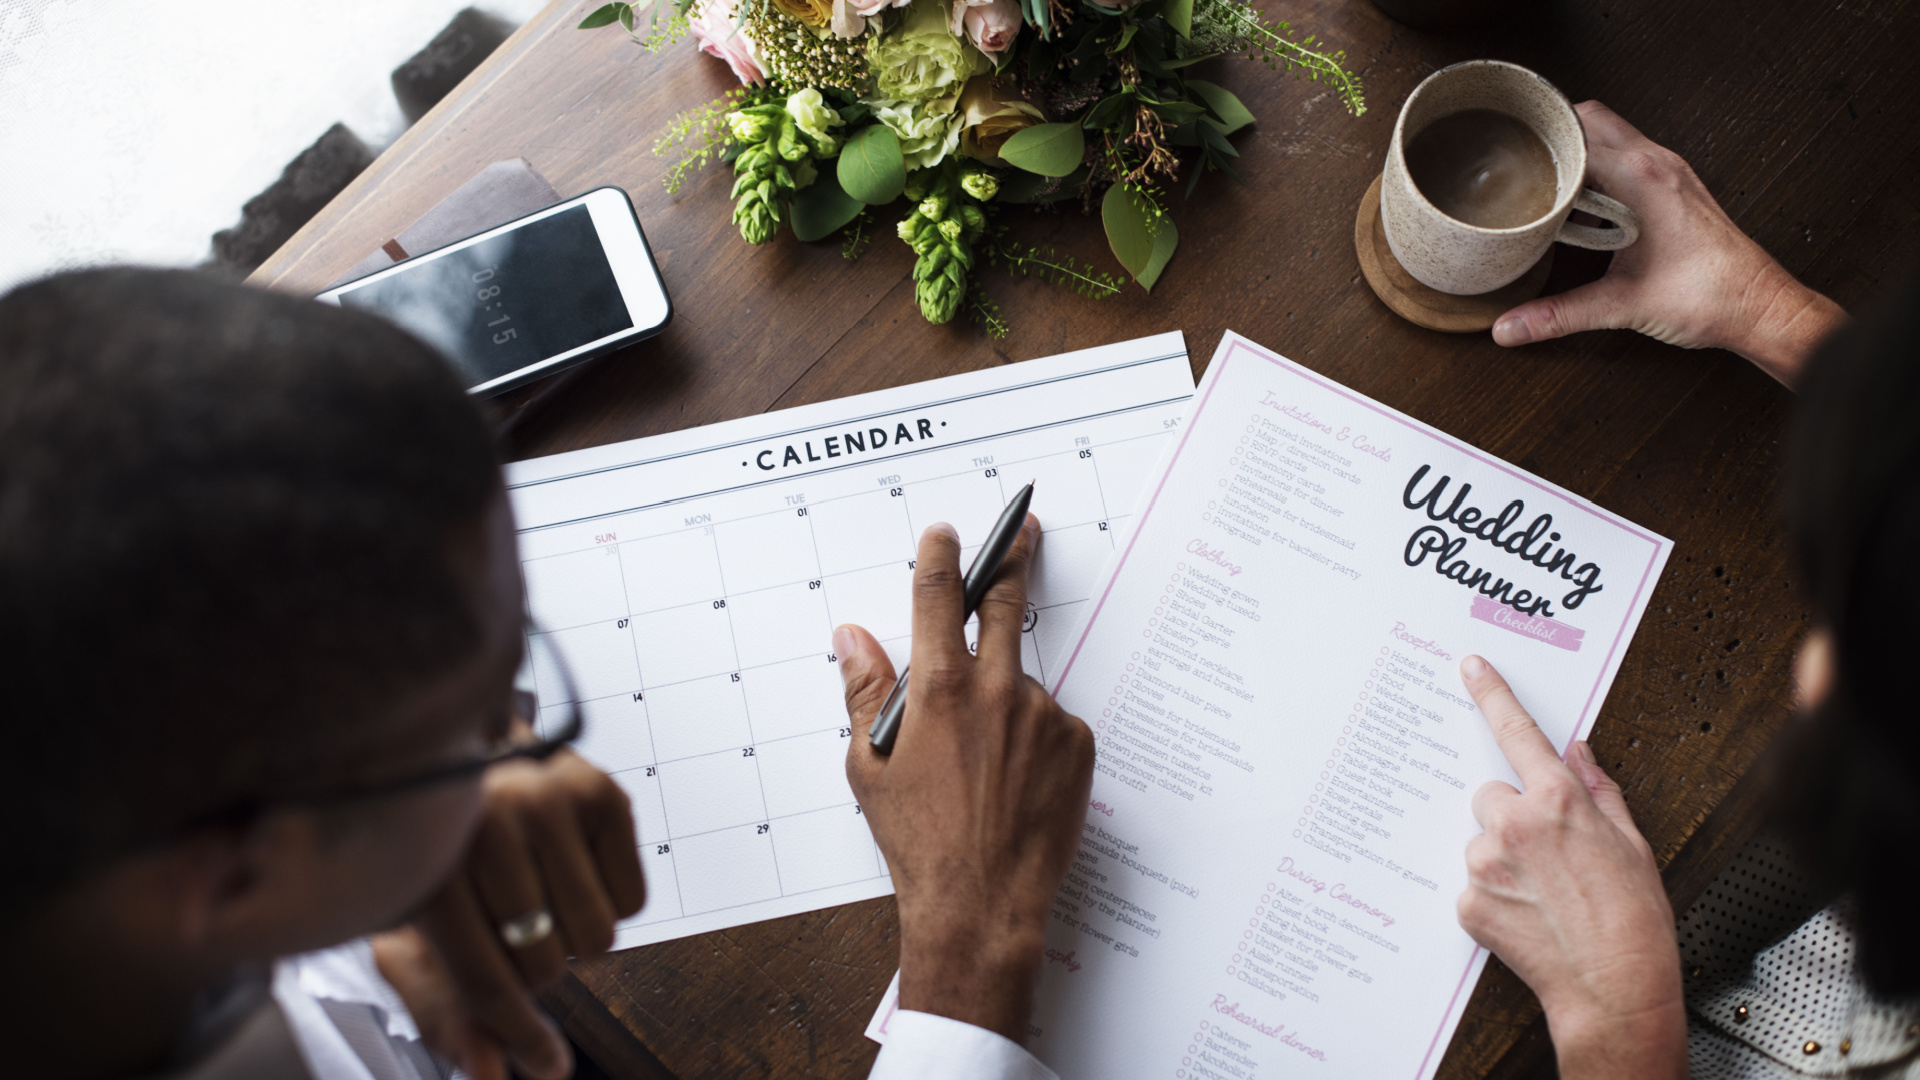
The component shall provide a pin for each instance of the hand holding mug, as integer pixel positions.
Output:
(1487, 162)
(1694, 279)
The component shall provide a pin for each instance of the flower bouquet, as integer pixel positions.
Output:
(962, 107)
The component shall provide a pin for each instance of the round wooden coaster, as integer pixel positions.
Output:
(1420, 304)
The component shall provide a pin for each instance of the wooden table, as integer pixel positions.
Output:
(1803, 119)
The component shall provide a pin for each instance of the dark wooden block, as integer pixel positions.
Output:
(308, 183)
(454, 52)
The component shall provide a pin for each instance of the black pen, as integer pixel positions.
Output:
(986, 565)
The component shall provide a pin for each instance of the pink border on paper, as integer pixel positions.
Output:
(1289, 366)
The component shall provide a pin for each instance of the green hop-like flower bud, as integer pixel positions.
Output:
(950, 229)
(757, 229)
(939, 298)
(789, 143)
(755, 218)
(976, 219)
(909, 228)
(933, 207)
(980, 185)
(917, 182)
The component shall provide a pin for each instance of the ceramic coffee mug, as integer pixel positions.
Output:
(1452, 256)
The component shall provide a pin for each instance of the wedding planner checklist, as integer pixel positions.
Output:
(1266, 880)
(689, 584)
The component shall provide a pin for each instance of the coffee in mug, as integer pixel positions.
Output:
(1487, 161)
(1484, 168)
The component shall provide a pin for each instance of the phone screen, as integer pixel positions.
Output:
(509, 302)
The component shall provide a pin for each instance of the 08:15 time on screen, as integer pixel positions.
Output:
(481, 277)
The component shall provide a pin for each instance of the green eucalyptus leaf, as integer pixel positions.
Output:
(1177, 111)
(1215, 138)
(601, 16)
(823, 207)
(626, 17)
(1047, 149)
(1130, 229)
(1109, 110)
(1187, 134)
(1187, 61)
(871, 167)
(1020, 186)
(1179, 15)
(1233, 115)
(1126, 37)
(1164, 241)
(1038, 14)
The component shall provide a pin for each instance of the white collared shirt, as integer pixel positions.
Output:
(922, 1046)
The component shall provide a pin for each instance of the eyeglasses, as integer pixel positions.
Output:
(547, 666)
(509, 749)
(526, 708)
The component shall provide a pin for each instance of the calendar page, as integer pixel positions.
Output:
(690, 584)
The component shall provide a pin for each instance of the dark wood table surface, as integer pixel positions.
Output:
(1802, 118)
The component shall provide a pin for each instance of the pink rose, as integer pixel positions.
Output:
(990, 24)
(850, 16)
(712, 24)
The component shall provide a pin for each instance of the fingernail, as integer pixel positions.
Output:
(1473, 667)
(1512, 331)
(944, 528)
(843, 643)
(1584, 752)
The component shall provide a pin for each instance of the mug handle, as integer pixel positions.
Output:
(1600, 206)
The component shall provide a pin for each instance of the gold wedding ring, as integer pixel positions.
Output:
(530, 929)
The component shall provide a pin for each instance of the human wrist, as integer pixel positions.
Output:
(1781, 325)
(1647, 1044)
(983, 976)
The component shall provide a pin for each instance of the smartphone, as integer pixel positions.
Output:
(527, 299)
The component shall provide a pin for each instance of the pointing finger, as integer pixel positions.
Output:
(1520, 739)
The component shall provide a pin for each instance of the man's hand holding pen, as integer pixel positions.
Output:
(978, 809)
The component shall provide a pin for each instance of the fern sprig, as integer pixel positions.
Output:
(1050, 266)
(1243, 27)
(859, 236)
(699, 135)
(982, 310)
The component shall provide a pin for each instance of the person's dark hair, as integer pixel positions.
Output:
(226, 526)
(1851, 774)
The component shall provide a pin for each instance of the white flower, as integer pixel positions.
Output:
(813, 116)
(928, 130)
